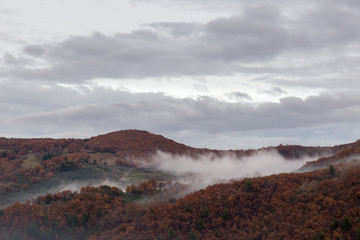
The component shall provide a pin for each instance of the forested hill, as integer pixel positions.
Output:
(341, 154)
(135, 143)
(24, 162)
(324, 204)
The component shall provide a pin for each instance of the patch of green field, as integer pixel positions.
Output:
(3, 185)
(88, 174)
(31, 161)
(150, 175)
(79, 174)
(61, 181)
(108, 158)
(133, 175)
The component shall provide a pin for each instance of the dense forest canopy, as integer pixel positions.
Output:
(322, 204)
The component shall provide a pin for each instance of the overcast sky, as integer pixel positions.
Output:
(217, 73)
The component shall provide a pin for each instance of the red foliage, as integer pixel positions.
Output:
(66, 154)
(285, 206)
(130, 143)
(343, 153)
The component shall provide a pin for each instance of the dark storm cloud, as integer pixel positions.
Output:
(256, 36)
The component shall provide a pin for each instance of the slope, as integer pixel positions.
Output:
(315, 205)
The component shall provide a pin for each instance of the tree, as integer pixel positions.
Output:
(334, 225)
(357, 234)
(205, 213)
(171, 233)
(347, 224)
(225, 214)
(319, 236)
(33, 230)
(248, 185)
(193, 235)
(216, 233)
(332, 171)
(200, 224)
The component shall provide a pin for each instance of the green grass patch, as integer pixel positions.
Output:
(31, 161)
(72, 178)
(4, 185)
(84, 173)
(87, 174)
(151, 175)
(139, 176)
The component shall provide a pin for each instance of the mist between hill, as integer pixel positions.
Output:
(209, 169)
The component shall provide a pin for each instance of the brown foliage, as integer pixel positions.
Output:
(284, 206)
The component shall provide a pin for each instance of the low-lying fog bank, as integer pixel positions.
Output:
(199, 172)
(210, 169)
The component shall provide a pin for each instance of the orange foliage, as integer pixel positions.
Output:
(284, 206)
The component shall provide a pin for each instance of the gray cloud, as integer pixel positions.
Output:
(283, 48)
(177, 29)
(33, 110)
(275, 91)
(10, 60)
(249, 40)
(34, 50)
(164, 113)
(333, 23)
(240, 95)
(22, 97)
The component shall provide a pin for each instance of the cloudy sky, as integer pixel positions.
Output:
(216, 73)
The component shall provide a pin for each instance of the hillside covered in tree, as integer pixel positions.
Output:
(152, 204)
(324, 204)
(24, 162)
(28, 161)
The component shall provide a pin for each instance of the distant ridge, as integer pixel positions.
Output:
(25, 162)
(341, 154)
(127, 144)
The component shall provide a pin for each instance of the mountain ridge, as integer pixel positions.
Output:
(144, 141)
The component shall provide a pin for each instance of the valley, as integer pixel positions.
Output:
(134, 184)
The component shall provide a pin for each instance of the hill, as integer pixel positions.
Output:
(28, 167)
(322, 204)
(341, 154)
(135, 143)
(316, 205)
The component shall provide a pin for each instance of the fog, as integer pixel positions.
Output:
(42, 189)
(75, 186)
(210, 169)
(199, 172)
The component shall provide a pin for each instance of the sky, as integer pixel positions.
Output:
(226, 74)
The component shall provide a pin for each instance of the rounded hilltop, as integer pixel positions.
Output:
(132, 141)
